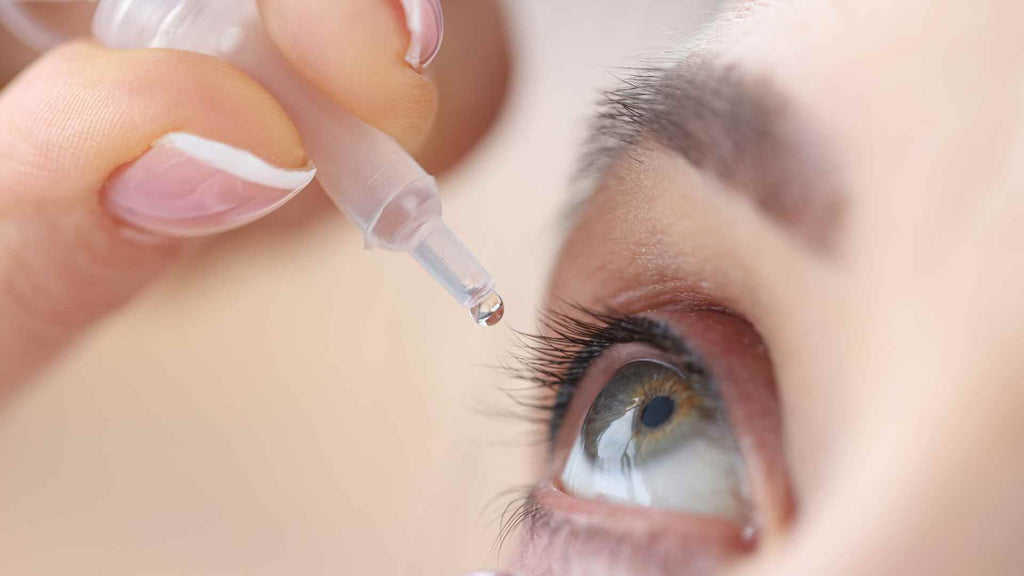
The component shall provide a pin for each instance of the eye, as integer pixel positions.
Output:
(671, 411)
(657, 436)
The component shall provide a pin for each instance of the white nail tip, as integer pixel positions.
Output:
(237, 162)
(414, 24)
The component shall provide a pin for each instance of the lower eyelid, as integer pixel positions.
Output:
(571, 535)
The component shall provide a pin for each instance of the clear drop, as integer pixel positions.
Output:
(489, 311)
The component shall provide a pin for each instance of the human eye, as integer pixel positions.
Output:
(657, 435)
(664, 420)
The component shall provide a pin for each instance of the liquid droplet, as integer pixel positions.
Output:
(489, 311)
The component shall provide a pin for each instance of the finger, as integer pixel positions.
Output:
(367, 55)
(472, 75)
(96, 145)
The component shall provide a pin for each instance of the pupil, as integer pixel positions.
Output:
(657, 411)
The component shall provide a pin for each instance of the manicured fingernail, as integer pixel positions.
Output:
(190, 186)
(425, 22)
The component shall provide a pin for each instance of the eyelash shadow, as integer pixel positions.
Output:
(555, 359)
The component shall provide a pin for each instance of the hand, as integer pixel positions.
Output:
(90, 211)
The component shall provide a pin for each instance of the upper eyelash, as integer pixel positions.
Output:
(556, 359)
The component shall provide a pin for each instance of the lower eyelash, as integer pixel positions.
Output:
(555, 360)
(522, 509)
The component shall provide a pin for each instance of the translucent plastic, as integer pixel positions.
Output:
(443, 254)
(364, 171)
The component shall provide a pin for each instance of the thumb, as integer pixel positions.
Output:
(96, 146)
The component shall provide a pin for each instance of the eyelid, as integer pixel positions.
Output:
(562, 528)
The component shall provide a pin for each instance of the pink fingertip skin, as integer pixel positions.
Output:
(425, 22)
(187, 186)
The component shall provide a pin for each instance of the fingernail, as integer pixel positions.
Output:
(189, 186)
(425, 22)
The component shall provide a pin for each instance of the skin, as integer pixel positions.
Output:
(896, 352)
(899, 426)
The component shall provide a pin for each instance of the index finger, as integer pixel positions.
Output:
(367, 55)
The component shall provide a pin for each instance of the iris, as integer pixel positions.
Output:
(658, 436)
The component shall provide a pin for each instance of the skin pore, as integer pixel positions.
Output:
(892, 350)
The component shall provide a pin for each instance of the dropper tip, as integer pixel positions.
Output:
(489, 311)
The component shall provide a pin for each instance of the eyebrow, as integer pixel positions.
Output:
(730, 123)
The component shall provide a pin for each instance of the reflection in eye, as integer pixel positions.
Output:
(657, 437)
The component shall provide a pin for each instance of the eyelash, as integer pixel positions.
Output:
(555, 360)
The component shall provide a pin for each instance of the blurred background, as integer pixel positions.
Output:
(286, 403)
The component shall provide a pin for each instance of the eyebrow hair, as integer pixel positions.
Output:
(732, 124)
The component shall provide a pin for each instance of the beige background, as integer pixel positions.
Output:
(285, 403)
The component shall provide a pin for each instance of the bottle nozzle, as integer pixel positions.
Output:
(448, 260)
